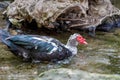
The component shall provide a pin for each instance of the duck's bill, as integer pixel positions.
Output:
(85, 42)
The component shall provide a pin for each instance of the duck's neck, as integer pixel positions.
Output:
(72, 46)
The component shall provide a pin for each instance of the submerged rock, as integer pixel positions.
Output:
(68, 74)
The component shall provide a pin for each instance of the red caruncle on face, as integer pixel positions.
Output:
(81, 40)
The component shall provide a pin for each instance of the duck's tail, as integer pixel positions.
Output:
(3, 35)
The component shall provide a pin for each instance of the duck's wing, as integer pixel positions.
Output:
(33, 43)
(47, 38)
(50, 39)
(21, 40)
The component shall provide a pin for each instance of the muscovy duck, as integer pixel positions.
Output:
(41, 48)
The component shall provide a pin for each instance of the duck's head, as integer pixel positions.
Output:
(75, 39)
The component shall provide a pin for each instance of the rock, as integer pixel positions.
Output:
(79, 13)
(4, 5)
(69, 74)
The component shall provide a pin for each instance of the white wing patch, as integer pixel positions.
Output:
(38, 38)
(48, 41)
(54, 49)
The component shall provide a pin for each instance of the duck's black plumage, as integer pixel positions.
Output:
(41, 48)
(34, 47)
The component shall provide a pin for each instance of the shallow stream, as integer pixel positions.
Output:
(101, 55)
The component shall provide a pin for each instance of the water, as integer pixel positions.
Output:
(116, 3)
(101, 55)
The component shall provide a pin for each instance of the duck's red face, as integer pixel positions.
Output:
(81, 40)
